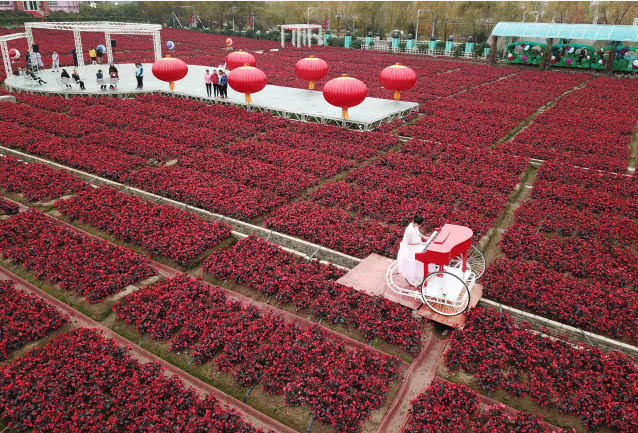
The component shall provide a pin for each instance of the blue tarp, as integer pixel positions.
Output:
(592, 32)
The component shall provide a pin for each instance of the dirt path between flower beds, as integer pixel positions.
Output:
(417, 379)
(250, 414)
(492, 250)
(633, 152)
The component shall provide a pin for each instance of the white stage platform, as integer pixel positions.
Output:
(288, 102)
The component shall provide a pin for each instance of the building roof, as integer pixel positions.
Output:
(593, 32)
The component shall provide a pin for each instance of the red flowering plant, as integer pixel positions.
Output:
(163, 230)
(89, 267)
(579, 380)
(36, 182)
(83, 382)
(25, 318)
(265, 267)
(8, 207)
(304, 365)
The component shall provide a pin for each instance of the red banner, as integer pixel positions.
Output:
(325, 24)
(249, 21)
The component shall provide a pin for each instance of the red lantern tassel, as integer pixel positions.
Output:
(248, 98)
(344, 113)
(171, 85)
(397, 95)
(311, 85)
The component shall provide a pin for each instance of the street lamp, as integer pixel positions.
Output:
(416, 32)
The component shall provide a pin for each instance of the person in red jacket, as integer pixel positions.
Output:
(215, 78)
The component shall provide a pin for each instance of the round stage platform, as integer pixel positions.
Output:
(288, 102)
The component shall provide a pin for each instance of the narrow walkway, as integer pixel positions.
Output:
(417, 379)
(78, 319)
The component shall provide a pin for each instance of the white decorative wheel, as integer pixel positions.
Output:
(446, 292)
(475, 261)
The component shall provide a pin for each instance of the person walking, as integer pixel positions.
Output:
(215, 80)
(139, 74)
(208, 81)
(55, 61)
(93, 55)
(223, 83)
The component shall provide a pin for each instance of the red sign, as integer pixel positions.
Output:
(249, 20)
(325, 24)
(192, 18)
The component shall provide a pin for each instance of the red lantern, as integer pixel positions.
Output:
(14, 54)
(247, 79)
(229, 42)
(397, 77)
(239, 58)
(311, 69)
(345, 92)
(170, 69)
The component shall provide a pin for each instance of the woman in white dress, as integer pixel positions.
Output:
(412, 243)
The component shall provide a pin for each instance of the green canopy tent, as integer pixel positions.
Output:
(577, 32)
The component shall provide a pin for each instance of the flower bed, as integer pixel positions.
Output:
(285, 181)
(36, 182)
(579, 230)
(317, 163)
(335, 229)
(205, 190)
(600, 136)
(593, 259)
(91, 268)
(587, 304)
(265, 267)
(454, 408)
(484, 114)
(340, 386)
(24, 318)
(82, 381)
(598, 387)
(163, 230)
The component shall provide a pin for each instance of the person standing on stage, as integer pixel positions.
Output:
(208, 81)
(223, 84)
(55, 60)
(139, 74)
(100, 54)
(215, 81)
(75, 57)
(93, 55)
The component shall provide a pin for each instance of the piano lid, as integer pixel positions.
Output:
(449, 237)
